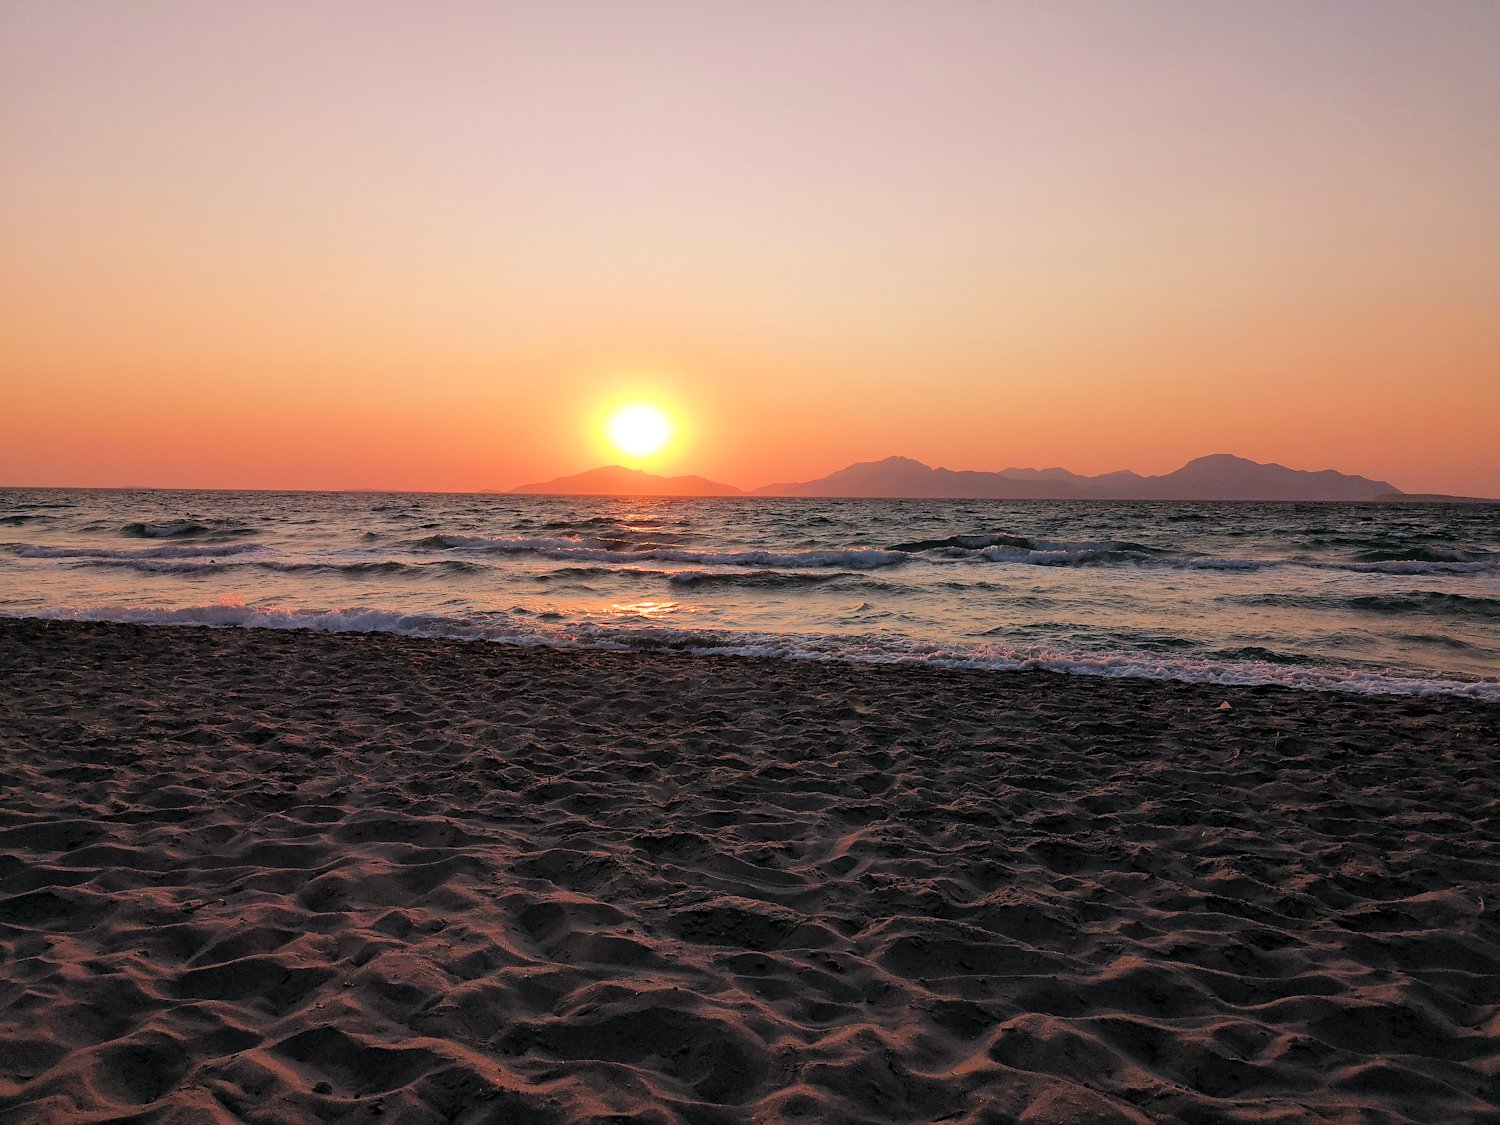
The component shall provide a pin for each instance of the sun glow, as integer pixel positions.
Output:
(639, 430)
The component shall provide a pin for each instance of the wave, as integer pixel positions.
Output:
(237, 614)
(208, 562)
(41, 505)
(568, 573)
(520, 545)
(185, 529)
(1440, 640)
(374, 566)
(1419, 554)
(1261, 654)
(604, 551)
(1017, 549)
(756, 579)
(33, 551)
(1436, 603)
(610, 524)
(1428, 601)
(1020, 549)
(186, 568)
(1243, 667)
(1103, 554)
(1003, 549)
(966, 542)
(1111, 553)
(991, 548)
(1413, 566)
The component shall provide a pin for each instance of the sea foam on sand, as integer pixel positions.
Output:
(284, 876)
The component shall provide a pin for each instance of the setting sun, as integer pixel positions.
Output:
(769, 473)
(639, 430)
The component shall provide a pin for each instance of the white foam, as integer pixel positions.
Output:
(880, 649)
(591, 549)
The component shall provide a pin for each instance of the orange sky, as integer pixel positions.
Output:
(420, 246)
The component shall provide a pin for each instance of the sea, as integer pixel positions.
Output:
(1381, 598)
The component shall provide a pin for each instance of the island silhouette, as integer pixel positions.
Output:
(1216, 477)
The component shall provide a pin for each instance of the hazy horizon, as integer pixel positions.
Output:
(743, 488)
(396, 247)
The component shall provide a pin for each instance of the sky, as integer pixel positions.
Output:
(429, 245)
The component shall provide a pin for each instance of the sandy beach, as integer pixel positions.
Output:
(280, 876)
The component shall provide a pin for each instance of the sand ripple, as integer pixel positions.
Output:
(284, 877)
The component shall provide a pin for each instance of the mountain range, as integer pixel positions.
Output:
(1219, 476)
(1216, 477)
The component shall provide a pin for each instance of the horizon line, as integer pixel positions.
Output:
(756, 493)
(1397, 496)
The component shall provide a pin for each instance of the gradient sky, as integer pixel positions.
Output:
(422, 245)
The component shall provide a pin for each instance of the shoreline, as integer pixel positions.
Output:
(354, 622)
(288, 874)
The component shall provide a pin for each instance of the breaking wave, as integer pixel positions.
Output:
(1419, 554)
(610, 551)
(185, 529)
(521, 627)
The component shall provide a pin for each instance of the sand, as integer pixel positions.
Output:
(283, 877)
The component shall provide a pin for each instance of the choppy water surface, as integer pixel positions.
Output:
(1399, 598)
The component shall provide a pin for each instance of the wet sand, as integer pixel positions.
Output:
(283, 876)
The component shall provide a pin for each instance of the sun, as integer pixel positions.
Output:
(639, 430)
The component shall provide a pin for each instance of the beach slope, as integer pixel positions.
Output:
(284, 876)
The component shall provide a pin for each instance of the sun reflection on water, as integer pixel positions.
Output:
(646, 610)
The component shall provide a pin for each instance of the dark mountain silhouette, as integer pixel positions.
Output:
(1225, 477)
(1216, 477)
(616, 480)
(1219, 476)
(903, 477)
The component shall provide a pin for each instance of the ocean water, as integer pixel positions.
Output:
(1378, 598)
